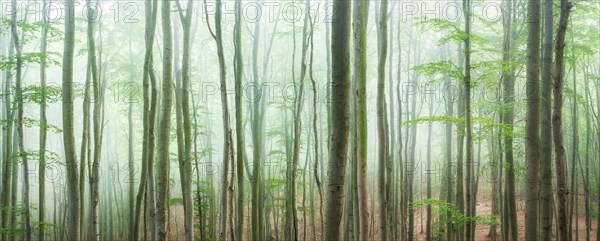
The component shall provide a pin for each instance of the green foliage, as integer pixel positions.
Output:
(30, 123)
(204, 209)
(34, 93)
(439, 68)
(454, 30)
(457, 218)
(31, 31)
(175, 201)
(10, 62)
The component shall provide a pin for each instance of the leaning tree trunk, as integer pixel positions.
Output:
(559, 147)
(340, 97)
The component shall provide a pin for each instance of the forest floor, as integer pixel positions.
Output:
(484, 206)
(482, 231)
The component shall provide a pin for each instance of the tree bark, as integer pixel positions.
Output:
(559, 148)
(227, 149)
(532, 127)
(149, 115)
(508, 118)
(186, 21)
(238, 71)
(340, 97)
(162, 199)
(381, 120)
(97, 101)
(469, 183)
(43, 130)
(546, 197)
(360, 71)
(68, 132)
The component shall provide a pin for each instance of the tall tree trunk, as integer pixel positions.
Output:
(381, 120)
(589, 131)
(43, 130)
(574, 159)
(361, 10)
(561, 187)
(95, 177)
(299, 103)
(8, 161)
(130, 157)
(546, 196)
(238, 71)
(340, 98)
(85, 149)
(149, 115)
(19, 102)
(68, 132)
(162, 199)
(257, 142)
(428, 228)
(532, 128)
(469, 183)
(227, 149)
(186, 177)
(448, 153)
(508, 118)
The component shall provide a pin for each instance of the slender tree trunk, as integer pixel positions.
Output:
(162, 199)
(8, 156)
(15, 178)
(20, 137)
(508, 79)
(546, 197)
(257, 142)
(360, 71)
(588, 130)
(427, 172)
(574, 159)
(43, 130)
(95, 177)
(562, 191)
(130, 160)
(381, 120)
(186, 178)
(68, 132)
(469, 183)
(448, 155)
(227, 149)
(238, 70)
(299, 103)
(149, 115)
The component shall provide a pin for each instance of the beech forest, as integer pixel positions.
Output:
(299, 120)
